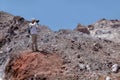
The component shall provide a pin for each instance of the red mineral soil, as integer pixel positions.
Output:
(34, 65)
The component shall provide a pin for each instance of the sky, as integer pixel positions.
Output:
(63, 14)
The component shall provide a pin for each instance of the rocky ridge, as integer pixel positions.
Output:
(86, 53)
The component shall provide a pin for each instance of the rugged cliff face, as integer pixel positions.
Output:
(107, 29)
(85, 53)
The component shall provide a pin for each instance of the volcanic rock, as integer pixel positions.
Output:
(64, 54)
(82, 29)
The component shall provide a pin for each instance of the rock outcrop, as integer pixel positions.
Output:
(107, 29)
(82, 29)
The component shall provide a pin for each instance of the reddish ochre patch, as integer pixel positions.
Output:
(32, 65)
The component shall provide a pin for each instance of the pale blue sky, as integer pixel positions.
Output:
(63, 14)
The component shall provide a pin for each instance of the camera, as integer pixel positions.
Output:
(37, 21)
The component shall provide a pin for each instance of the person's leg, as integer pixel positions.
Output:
(33, 42)
(36, 46)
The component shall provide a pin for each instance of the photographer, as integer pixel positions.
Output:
(33, 32)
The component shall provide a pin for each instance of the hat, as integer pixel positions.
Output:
(32, 20)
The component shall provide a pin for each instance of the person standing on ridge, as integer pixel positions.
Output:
(33, 32)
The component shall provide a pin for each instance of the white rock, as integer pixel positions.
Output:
(82, 66)
(1, 79)
(1, 52)
(16, 32)
(1, 76)
(88, 67)
(108, 78)
(8, 49)
(115, 68)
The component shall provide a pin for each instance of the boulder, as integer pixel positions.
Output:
(82, 29)
(1, 52)
(90, 27)
(114, 68)
(108, 78)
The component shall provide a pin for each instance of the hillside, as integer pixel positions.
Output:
(85, 53)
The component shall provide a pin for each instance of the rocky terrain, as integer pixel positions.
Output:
(85, 53)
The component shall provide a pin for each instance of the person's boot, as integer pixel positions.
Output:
(36, 49)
